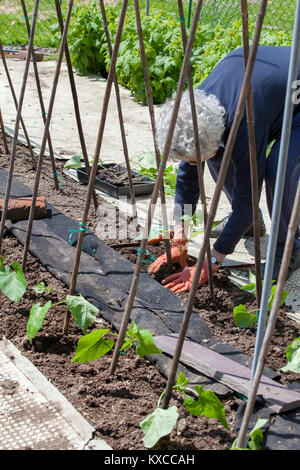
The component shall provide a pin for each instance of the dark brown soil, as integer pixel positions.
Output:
(119, 177)
(115, 406)
(218, 313)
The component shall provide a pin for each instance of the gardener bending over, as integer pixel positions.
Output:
(216, 101)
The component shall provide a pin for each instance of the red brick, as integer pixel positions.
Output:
(18, 209)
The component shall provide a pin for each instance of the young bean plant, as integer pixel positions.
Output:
(13, 285)
(293, 357)
(161, 422)
(244, 318)
(82, 311)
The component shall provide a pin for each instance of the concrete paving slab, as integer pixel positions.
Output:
(34, 415)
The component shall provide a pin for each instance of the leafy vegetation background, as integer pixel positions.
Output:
(163, 45)
(162, 38)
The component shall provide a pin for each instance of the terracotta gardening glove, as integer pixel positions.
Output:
(156, 240)
(178, 255)
(182, 282)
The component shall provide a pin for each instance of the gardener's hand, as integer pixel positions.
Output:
(156, 240)
(178, 255)
(182, 282)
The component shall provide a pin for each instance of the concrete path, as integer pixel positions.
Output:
(34, 415)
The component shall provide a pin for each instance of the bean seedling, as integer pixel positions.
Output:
(97, 343)
(161, 422)
(293, 357)
(83, 312)
(244, 318)
(256, 437)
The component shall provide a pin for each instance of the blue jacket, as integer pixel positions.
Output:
(269, 82)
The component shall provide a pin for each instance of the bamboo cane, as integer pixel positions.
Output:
(40, 95)
(152, 119)
(45, 136)
(198, 152)
(121, 119)
(17, 123)
(279, 187)
(96, 156)
(75, 100)
(272, 319)
(220, 182)
(253, 162)
(11, 86)
(4, 134)
(138, 266)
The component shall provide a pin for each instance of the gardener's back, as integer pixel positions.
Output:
(269, 80)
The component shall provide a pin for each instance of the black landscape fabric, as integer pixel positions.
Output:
(104, 279)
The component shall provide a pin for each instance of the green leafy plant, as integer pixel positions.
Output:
(161, 422)
(244, 318)
(76, 161)
(145, 163)
(12, 279)
(163, 47)
(83, 312)
(97, 343)
(256, 437)
(293, 357)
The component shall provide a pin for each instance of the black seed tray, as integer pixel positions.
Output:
(116, 191)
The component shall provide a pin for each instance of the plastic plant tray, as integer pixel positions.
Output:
(116, 191)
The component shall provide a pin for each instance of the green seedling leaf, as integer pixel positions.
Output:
(252, 277)
(257, 435)
(82, 311)
(12, 283)
(146, 344)
(74, 162)
(1, 261)
(92, 346)
(41, 287)
(243, 318)
(36, 318)
(293, 357)
(207, 404)
(147, 159)
(181, 383)
(251, 287)
(158, 424)
(272, 296)
(145, 339)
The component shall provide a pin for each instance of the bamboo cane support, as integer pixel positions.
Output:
(4, 134)
(96, 155)
(272, 320)
(40, 95)
(75, 100)
(121, 119)
(45, 136)
(198, 152)
(253, 162)
(152, 119)
(279, 187)
(138, 266)
(11, 86)
(220, 182)
(17, 122)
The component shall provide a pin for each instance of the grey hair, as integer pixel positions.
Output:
(211, 125)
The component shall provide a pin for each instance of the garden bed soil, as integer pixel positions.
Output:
(115, 406)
